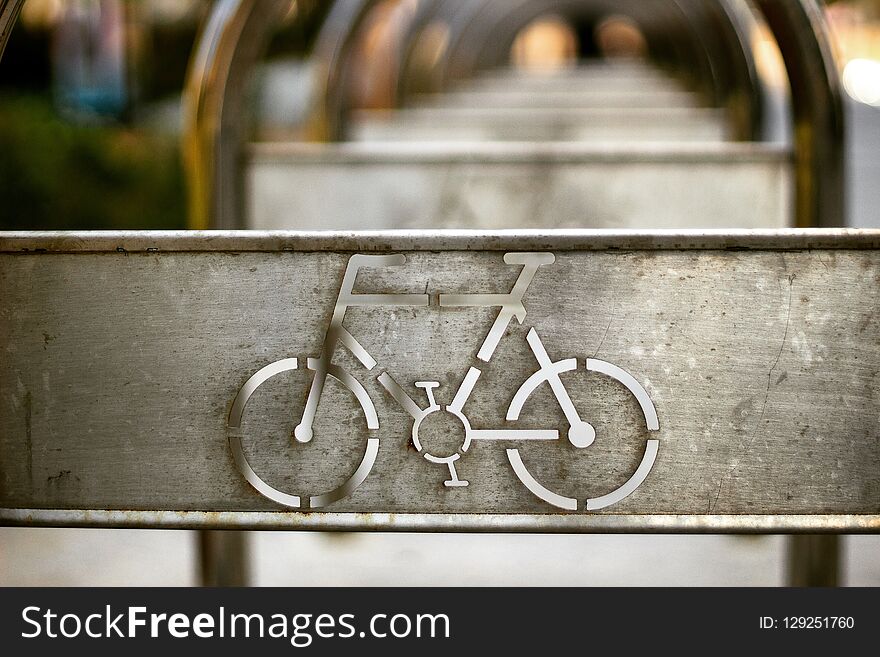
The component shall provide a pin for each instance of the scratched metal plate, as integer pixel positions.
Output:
(508, 185)
(760, 353)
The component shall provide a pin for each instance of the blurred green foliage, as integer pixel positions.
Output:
(60, 175)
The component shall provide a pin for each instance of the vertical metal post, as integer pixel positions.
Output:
(220, 71)
(817, 107)
(223, 557)
(813, 560)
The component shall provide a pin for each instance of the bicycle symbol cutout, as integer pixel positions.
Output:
(581, 434)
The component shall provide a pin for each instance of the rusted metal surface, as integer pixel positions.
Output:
(124, 353)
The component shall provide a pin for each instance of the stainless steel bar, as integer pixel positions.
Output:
(438, 522)
(249, 241)
(757, 351)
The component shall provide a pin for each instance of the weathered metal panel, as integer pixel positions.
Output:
(123, 355)
(366, 186)
(632, 124)
(653, 98)
(580, 79)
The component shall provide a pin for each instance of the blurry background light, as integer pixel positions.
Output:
(547, 43)
(620, 36)
(855, 28)
(861, 79)
(41, 13)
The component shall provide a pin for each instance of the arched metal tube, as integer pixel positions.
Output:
(744, 96)
(451, 17)
(485, 40)
(332, 52)
(677, 32)
(233, 39)
(9, 10)
(213, 131)
(817, 107)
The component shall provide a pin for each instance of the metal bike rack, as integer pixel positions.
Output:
(220, 65)
(144, 385)
(161, 372)
(231, 44)
(726, 70)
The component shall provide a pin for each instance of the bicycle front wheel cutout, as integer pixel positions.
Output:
(649, 456)
(367, 458)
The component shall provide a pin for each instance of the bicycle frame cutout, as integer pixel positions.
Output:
(581, 433)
